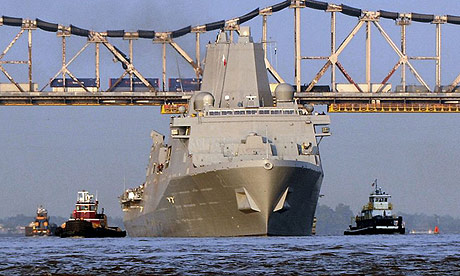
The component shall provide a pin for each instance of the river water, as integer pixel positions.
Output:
(315, 255)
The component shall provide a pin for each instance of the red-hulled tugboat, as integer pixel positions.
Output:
(41, 225)
(86, 222)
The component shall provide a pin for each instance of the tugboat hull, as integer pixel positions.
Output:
(374, 231)
(30, 232)
(378, 226)
(82, 228)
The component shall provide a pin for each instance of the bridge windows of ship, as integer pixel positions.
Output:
(86, 208)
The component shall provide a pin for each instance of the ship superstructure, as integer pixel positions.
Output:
(86, 209)
(235, 164)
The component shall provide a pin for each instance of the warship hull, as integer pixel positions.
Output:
(279, 200)
(236, 163)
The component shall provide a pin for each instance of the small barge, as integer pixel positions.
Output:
(86, 222)
(376, 216)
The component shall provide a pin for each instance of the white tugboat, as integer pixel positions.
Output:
(376, 216)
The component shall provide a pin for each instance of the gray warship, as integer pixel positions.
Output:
(237, 162)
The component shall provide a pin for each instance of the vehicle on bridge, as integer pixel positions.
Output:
(124, 85)
(184, 84)
(58, 85)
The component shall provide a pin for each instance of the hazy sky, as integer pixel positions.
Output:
(49, 153)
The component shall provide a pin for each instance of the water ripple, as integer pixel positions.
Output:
(321, 255)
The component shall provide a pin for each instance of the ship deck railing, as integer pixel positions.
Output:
(131, 199)
(259, 111)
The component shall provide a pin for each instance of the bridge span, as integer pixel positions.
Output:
(134, 87)
(170, 100)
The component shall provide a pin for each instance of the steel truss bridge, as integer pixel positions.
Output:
(351, 97)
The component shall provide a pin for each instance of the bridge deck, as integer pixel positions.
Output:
(365, 98)
(158, 98)
(99, 98)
